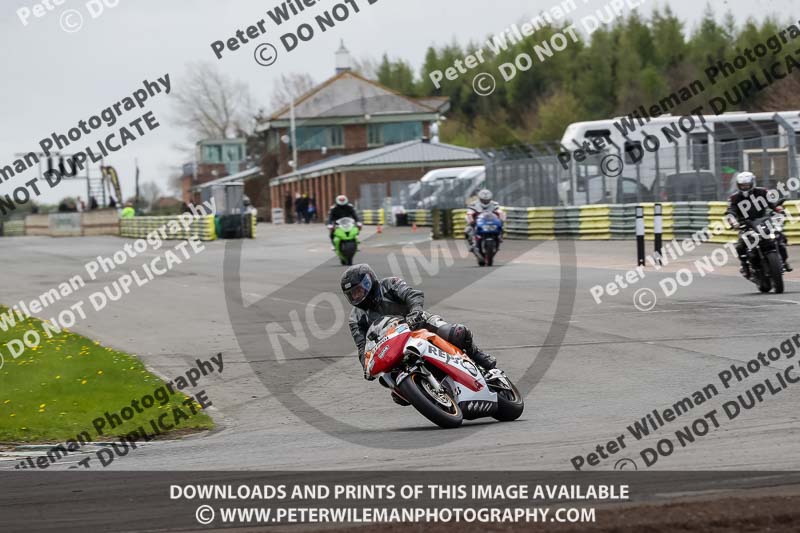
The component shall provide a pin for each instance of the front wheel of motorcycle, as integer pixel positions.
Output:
(438, 407)
(776, 270)
(509, 400)
(489, 250)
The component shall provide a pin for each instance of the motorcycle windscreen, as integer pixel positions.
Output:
(388, 354)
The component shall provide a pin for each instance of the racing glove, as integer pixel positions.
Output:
(415, 319)
(362, 359)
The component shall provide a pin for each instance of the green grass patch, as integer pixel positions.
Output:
(55, 390)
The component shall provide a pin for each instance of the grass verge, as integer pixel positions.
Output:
(54, 390)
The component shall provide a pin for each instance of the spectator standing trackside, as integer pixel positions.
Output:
(298, 208)
(288, 208)
(92, 203)
(312, 209)
(128, 211)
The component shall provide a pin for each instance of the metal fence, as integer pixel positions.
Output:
(696, 167)
(693, 170)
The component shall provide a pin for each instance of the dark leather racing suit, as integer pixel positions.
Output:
(398, 298)
(744, 208)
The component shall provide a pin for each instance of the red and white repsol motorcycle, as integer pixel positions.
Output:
(437, 378)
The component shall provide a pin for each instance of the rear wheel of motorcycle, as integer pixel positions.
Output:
(776, 270)
(439, 408)
(509, 402)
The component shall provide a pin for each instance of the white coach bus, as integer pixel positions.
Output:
(671, 145)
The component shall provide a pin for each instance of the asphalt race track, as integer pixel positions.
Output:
(592, 369)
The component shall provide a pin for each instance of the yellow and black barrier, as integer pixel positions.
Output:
(174, 227)
(373, 217)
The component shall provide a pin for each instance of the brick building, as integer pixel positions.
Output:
(213, 159)
(377, 169)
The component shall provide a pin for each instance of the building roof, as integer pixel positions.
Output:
(351, 95)
(439, 103)
(408, 154)
(252, 172)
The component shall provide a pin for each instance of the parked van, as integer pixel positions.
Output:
(445, 187)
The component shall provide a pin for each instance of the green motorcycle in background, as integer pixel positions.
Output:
(345, 240)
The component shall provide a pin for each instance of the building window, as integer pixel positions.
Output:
(212, 153)
(375, 135)
(233, 152)
(315, 137)
(336, 137)
(393, 133)
(401, 132)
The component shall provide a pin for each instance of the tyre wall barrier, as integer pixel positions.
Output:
(14, 228)
(202, 228)
(791, 227)
(373, 217)
(420, 217)
(680, 220)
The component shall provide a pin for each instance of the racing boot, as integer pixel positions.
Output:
(482, 358)
(399, 400)
(745, 268)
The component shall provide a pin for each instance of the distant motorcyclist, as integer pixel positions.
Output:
(373, 299)
(484, 204)
(341, 209)
(750, 203)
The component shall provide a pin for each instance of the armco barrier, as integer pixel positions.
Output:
(667, 209)
(622, 220)
(716, 213)
(594, 222)
(791, 228)
(202, 228)
(680, 220)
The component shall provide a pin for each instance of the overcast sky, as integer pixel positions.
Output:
(52, 79)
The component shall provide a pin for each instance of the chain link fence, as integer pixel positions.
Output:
(692, 170)
(696, 167)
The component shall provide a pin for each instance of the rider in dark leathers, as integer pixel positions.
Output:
(373, 299)
(750, 203)
(341, 209)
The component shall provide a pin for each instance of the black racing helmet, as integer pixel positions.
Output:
(360, 286)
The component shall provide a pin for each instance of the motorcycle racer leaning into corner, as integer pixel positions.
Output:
(484, 204)
(749, 203)
(373, 299)
(341, 209)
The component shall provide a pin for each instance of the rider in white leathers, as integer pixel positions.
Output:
(484, 204)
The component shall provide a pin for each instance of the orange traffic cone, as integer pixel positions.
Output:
(414, 226)
(380, 228)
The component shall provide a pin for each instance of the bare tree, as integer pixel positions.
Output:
(367, 67)
(149, 192)
(289, 87)
(209, 104)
